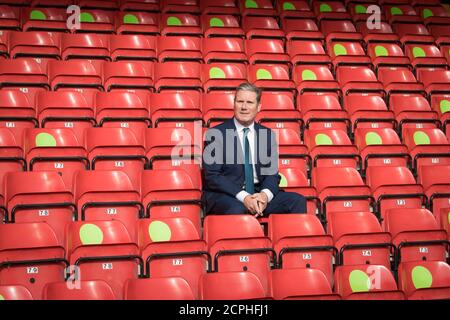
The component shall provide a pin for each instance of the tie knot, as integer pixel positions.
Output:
(246, 130)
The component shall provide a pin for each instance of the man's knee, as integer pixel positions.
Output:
(297, 202)
(231, 207)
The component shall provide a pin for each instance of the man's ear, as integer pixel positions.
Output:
(259, 106)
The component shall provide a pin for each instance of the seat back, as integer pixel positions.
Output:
(231, 286)
(80, 290)
(168, 288)
(300, 284)
(30, 256)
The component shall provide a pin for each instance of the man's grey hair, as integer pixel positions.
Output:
(250, 87)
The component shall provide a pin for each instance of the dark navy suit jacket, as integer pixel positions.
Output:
(229, 178)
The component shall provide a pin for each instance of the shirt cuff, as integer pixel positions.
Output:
(268, 193)
(241, 195)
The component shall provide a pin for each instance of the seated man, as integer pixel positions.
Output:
(240, 164)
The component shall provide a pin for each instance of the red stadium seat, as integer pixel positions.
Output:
(116, 149)
(56, 150)
(9, 18)
(221, 25)
(309, 50)
(25, 75)
(44, 19)
(368, 111)
(138, 5)
(413, 111)
(172, 147)
(108, 195)
(257, 8)
(323, 112)
(145, 23)
(261, 27)
(80, 290)
(292, 152)
(399, 80)
(165, 288)
(425, 55)
(302, 29)
(300, 242)
(65, 109)
(358, 79)
(43, 45)
(341, 188)
(171, 247)
(231, 285)
(179, 49)
(77, 74)
(44, 197)
(266, 51)
(435, 181)
(427, 147)
(314, 78)
(180, 24)
(129, 76)
(15, 292)
(172, 109)
(237, 243)
(217, 106)
(178, 76)
(278, 111)
(416, 234)
(381, 147)
(222, 49)
(386, 53)
(122, 109)
(181, 6)
(30, 256)
(300, 284)
(132, 47)
(171, 193)
(104, 250)
(366, 282)
(295, 180)
(223, 76)
(17, 112)
(394, 188)
(85, 46)
(98, 4)
(272, 78)
(332, 148)
(425, 280)
(293, 9)
(359, 238)
(219, 7)
(11, 160)
(96, 21)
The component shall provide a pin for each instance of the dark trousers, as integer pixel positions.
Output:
(283, 202)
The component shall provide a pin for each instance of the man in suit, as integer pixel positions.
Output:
(240, 164)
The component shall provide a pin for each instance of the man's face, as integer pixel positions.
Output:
(245, 107)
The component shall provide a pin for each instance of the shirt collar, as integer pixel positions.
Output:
(240, 127)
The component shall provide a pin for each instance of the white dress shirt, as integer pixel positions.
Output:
(251, 139)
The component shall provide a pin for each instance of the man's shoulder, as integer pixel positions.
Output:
(227, 124)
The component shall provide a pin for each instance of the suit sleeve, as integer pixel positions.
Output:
(271, 180)
(213, 172)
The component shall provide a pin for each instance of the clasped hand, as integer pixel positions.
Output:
(256, 203)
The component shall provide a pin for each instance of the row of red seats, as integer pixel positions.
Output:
(139, 109)
(147, 76)
(403, 20)
(178, 190)
(422, 53)
(103, 250)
